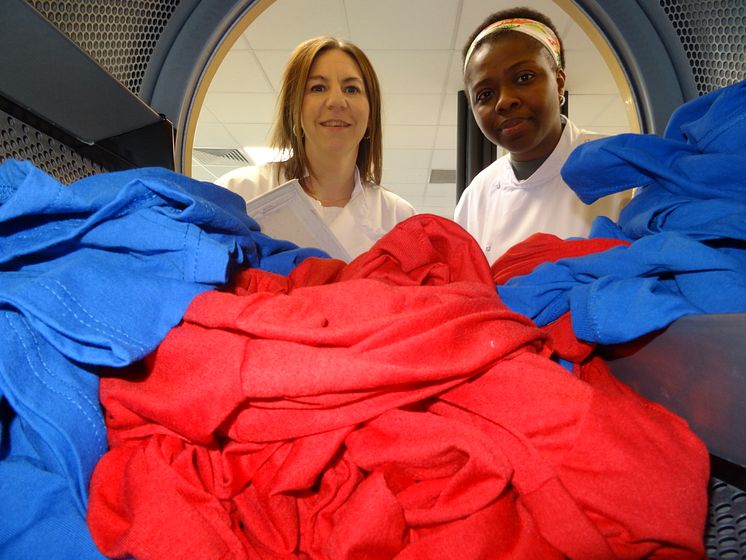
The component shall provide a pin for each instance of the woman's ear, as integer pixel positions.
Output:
(560, 82)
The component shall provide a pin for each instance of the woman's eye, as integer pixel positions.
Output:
(525, 77)
(352, 89)
(482, 96)
(317, 88)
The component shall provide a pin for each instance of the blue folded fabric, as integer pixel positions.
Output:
(713, 123)
(622, 293)
(95, 274)
(702, 154)
(686, 225)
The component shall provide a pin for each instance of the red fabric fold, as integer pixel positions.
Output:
(389, 408)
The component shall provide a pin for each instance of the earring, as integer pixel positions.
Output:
(295, 132)
(562, 100)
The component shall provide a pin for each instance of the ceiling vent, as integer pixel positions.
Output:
(220, 156)
(442, 176)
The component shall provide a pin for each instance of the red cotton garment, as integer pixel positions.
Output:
(389, 408)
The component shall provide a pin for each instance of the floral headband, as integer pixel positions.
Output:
(530, 27)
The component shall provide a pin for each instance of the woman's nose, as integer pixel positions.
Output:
(506, 100)
(336, 98)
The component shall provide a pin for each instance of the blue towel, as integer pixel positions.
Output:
(686, 225)
(95, 274)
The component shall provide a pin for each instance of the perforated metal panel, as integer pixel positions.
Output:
(118, 34)
(22, 141)
(713, 33)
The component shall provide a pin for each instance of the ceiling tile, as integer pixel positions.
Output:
(407, 190)
(213, 135)
(473, 14)
(396, 136)
(587, 72)
(240, 72)
(393, 175)
(241, 44)
(455, 78)
(206, 116)
(286, 23)
(448, 115)
(444, 159)
(441, 195)
(574, 38)
(273, 64)
(411, 109)
(397, 74)
(393, 24)
(406, 159)
(201, 173)
(209, 173)
(242, 107)
(446, 138)
(249, 134)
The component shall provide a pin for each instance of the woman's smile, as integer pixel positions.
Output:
(335, 124)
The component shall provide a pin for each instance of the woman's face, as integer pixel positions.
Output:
(514, 92)
(335, 109)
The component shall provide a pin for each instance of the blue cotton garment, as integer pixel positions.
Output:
(686, 225)
(625, 292)
(701, 155)
(95, 274)
(107, 266)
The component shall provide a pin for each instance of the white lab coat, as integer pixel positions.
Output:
(371, 212)
(499, 210)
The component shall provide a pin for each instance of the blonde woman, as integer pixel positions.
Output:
(329, 119)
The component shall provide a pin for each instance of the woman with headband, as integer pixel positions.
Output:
(514, 79)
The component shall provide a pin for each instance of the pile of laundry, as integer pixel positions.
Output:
(173, 383)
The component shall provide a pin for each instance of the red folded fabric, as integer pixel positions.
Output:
(523, 257)
(389, 408)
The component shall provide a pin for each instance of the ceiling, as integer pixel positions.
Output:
(415, 47)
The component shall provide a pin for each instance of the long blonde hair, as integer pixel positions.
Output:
(287, 134)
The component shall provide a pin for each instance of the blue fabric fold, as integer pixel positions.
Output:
(702, 154)
(95, 274)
